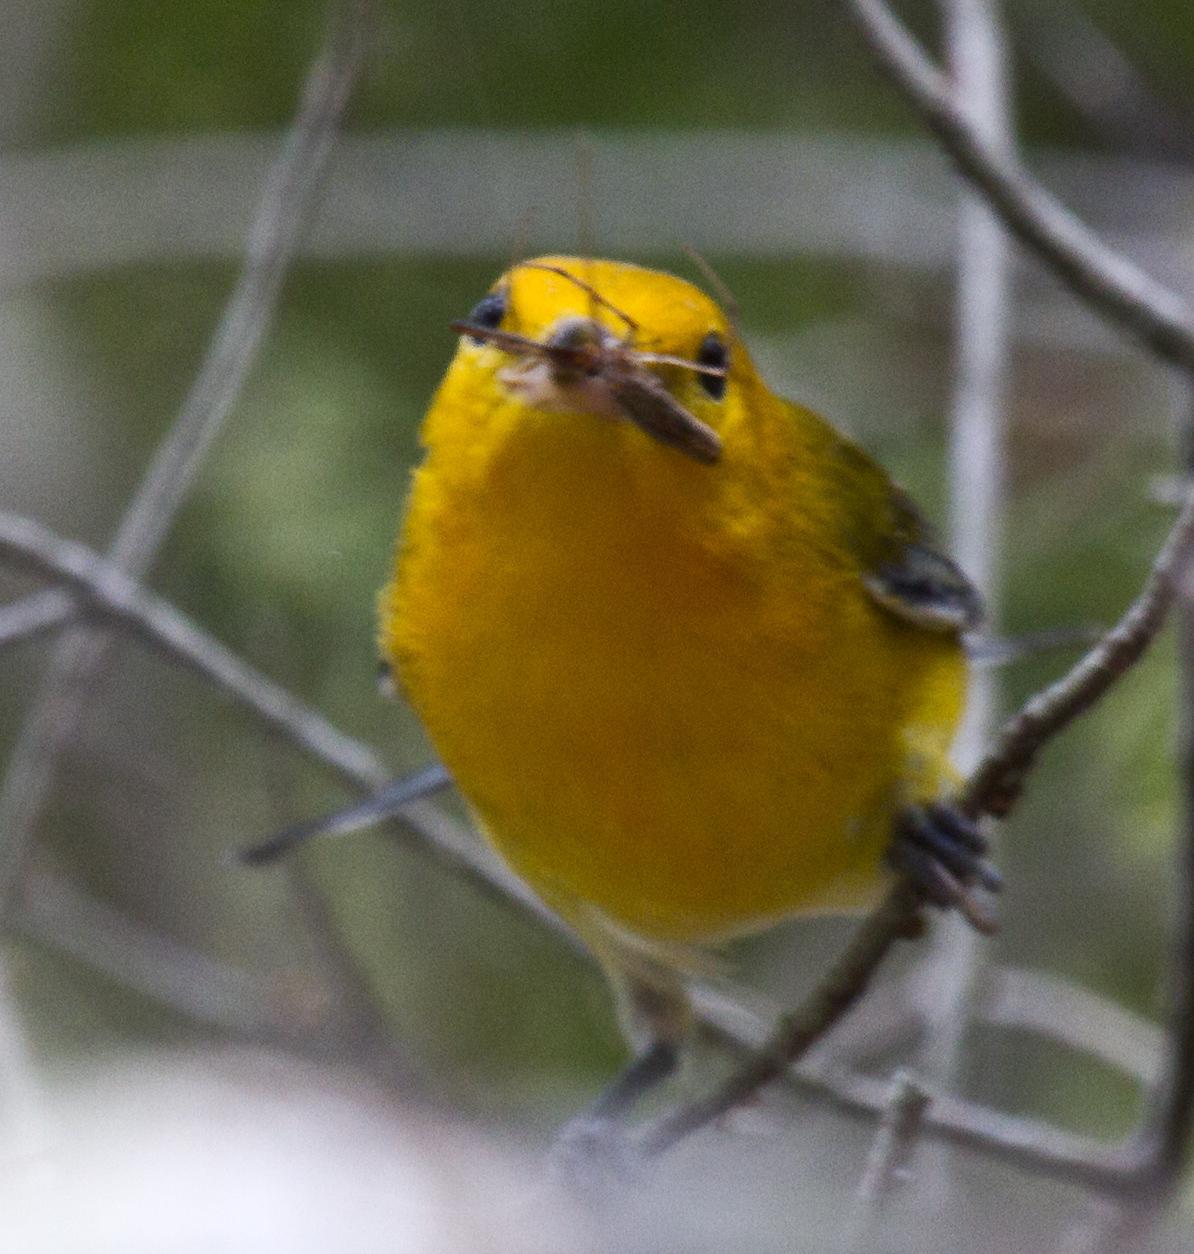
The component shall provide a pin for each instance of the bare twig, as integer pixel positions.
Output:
(107, 592)
(1162, 1147)
(1165, 1146)
(799, 1029)
(977, 57)
(111, 594)
(1102, 83)
(996, 783)
(991, 790)
(59, 915)
(1025, 1144)
(34, 616)
(1054, 1007)
(1106, 280)
(981, 317)
(283, 215)
(898, 1132)
(282, 218)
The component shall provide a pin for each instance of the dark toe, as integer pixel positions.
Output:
(943, 853)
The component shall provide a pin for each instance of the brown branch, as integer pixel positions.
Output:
(1161, 1148)
(1112, 284)
(1104, 279)
(799, 1029)
(107, 592)
(992, 789)
(282, 217)
(996, 783)
(1024, 1144)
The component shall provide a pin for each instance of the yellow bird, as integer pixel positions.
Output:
(690, 656)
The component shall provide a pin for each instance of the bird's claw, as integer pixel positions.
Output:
(944, 853)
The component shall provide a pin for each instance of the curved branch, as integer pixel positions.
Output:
(284, 212)
(107, 592)
(993, 789)
(1106, 280)
(34, 616)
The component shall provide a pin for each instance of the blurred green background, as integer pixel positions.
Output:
(847, 298)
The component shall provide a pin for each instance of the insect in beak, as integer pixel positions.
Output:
(582, 365)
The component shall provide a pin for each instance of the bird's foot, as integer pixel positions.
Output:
(944, 854)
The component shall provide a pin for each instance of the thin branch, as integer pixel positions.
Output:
(1095, 76)
(799, 1029)
(977, 472)
(1162, 1145)
(1024, 1143)
(282, 217)
(996, 783)
(1058, 1009)
(977, 58)
(1165, 1146)
(57, 914)
(34, 616)
(898, 1132)
(991, 790)
(1104, 279)
(110, 593)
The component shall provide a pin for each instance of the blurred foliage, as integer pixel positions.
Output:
(283, 546)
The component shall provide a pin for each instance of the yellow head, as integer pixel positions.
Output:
(609, 345)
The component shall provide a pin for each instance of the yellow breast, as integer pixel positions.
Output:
(661, 685)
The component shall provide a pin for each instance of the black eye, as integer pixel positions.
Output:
(488, 312)
(713, 352)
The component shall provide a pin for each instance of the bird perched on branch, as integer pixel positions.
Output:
(691, 657)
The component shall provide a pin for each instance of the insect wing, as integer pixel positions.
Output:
(650, 406)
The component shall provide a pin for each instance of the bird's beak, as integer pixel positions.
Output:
(583, 367)
(567, 374)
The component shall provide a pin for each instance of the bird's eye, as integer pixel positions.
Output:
(713, 352)
(488, 312)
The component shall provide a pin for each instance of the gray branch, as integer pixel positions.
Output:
(283, 215)
(107, 592)
(1104, 279)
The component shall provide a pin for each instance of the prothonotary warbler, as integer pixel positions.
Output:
(690, 656)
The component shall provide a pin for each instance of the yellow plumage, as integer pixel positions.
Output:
(684, 700)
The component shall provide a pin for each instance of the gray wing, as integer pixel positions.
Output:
(924, 587)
